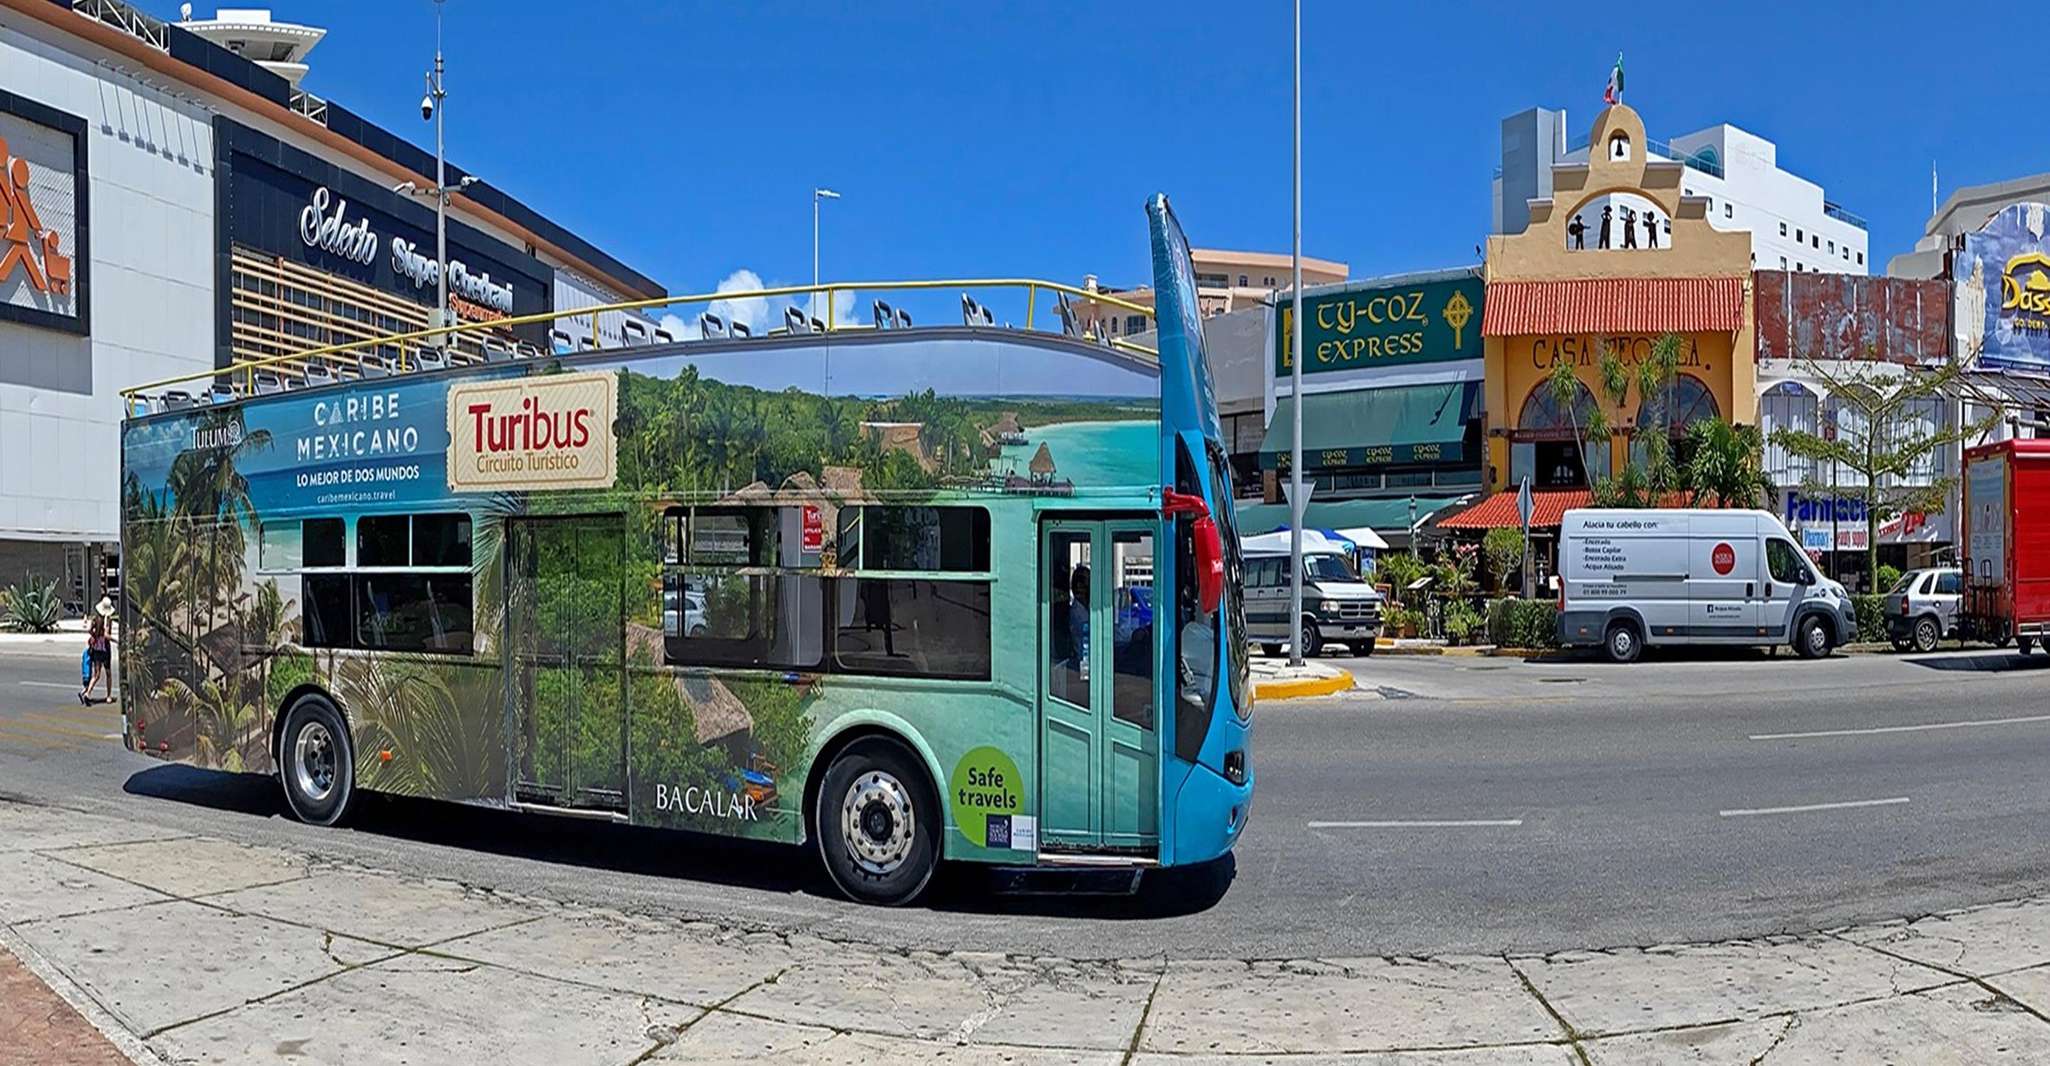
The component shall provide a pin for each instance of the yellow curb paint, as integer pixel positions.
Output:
(1296, 688)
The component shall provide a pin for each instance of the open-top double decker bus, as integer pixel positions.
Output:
(904, 594)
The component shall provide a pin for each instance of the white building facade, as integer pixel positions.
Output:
(162, 204)
(1793, 225)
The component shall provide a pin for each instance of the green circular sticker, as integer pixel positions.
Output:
(986, 792)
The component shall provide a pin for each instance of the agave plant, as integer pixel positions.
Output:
(30, 607)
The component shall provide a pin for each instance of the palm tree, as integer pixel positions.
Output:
(1727, 469)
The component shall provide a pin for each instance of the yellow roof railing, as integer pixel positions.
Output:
(242, 376)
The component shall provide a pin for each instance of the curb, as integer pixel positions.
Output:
(1301, 687)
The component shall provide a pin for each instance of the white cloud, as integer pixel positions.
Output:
(761, 314)
(751, 311)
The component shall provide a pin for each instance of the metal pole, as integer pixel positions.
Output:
(441, 190)
(814, 253)
(1295, 379)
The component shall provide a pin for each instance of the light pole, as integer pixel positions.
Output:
(432, 110)
(1295, 379)
(816, 196)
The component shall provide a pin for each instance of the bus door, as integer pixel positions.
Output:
(1099, 750)
(565, 634)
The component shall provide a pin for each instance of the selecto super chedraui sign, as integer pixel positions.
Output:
(1397, 325)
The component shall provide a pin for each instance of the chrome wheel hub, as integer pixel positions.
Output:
(313, 762)
(876, 821)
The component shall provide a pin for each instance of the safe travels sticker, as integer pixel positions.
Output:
(988, 798)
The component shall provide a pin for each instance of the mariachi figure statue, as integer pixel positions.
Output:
(1602, 239)
(1651, 229)
(1629, 228)
(1577, 230)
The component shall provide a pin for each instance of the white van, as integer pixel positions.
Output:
(1629, 578)
(1339, 606)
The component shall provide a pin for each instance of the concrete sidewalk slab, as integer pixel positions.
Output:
(729, 1040)
(1310, 1007)
(162, 964)
(695, 963)
(415, 1010)
(1961, 1025)
(27, 827)
(1981, 941)
(955, 998)
(34, 887)
(377, 907)
(1518, 1055)
(190, 867)
(2029, 987)
(1702, 984)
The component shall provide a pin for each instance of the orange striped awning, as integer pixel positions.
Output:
(1610, 305)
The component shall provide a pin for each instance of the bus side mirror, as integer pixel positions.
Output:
(1209, 546)
(1209, 564)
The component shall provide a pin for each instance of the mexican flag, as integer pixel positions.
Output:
(1614, 93)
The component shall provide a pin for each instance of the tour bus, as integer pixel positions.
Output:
(902, 595)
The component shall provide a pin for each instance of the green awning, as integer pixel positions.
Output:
(1372, 427)
(1382, 516)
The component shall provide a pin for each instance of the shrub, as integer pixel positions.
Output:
(1521, 623)
(1398, 618)
(1398, 569)
(1889, 575)
(30, 607)
(1871, 609)
(1462, 622)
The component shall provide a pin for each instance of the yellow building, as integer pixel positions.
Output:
(1615, 259)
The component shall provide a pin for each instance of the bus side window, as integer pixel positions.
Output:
(739, 594)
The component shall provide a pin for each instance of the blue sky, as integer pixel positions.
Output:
(1023, 138)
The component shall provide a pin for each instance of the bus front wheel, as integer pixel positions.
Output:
(877, 823)
(316, 761)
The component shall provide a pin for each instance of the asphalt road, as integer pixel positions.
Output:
(1466, 805)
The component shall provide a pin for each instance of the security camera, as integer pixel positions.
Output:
(427, 107)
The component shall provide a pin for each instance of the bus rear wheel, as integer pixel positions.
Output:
(877, 823)
(316, 762)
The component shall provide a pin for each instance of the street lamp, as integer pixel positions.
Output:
(816, 196)
(431, 109)
(1296, 502)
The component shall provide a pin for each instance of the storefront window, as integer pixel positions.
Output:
(1789, 406)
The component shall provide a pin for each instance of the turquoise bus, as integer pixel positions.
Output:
(902, 595)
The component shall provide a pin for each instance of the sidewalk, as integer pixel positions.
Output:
(207, 951)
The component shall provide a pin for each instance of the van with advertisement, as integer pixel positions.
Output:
(1671, 576)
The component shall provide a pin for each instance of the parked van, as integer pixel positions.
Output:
(1339, 606)
(1693, 576)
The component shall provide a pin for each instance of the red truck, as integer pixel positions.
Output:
(2006, 535)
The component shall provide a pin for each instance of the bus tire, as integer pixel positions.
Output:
(1622, 641)
(316, 762)
(877, 823)
(1313, 639)
(1811, 640)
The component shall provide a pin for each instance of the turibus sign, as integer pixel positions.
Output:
(547, 432)
(1357, 329)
